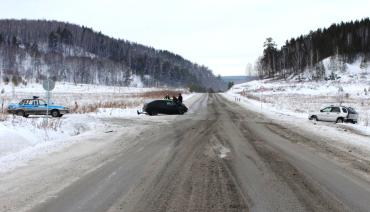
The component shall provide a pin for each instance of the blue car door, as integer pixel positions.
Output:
(35, 107)
(27, 106)
(42, 107)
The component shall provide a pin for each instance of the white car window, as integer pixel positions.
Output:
(328, 109)
(335, 110)
(42, 102)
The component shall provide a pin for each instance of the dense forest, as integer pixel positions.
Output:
(345, 41)
(31, 50)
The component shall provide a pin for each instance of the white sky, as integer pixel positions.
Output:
(224, 35)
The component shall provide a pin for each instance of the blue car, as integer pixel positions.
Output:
(36, 106)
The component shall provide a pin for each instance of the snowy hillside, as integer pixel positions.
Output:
(31, 50)
(348, 84)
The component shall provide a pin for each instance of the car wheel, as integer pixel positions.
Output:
(181, 112)
(55, 113)
(20, 113)
(315, 118)
(339, 120)
(152, 113)
(354, 122)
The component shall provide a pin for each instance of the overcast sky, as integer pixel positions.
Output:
(224, 35)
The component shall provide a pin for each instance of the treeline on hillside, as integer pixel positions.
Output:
(344, 40)
(33, 49)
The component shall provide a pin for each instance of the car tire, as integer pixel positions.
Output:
(339, 120)
(181, 112)
(314, 118)
(55, 113)
(354, 122)
(152, 113)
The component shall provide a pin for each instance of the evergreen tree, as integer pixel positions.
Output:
(345, 41)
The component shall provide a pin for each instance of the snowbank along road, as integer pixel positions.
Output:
(217, 157)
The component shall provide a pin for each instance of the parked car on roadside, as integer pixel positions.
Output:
(338, 114)
(164, 107)
(36, 106)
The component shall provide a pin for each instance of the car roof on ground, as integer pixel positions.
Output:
(163, 100)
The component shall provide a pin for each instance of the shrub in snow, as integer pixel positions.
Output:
(52, 124)
(6, 80)
(16, 80)
(340, 95)
(2, 99)
(363, 64)
(366, 119)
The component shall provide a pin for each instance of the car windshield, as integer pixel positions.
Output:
(328, 109)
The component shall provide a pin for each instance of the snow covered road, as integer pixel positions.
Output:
(218, 157)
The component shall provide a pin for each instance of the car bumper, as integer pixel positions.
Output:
(11, 111)
(352, 117)
(63, 112)
(310, 116)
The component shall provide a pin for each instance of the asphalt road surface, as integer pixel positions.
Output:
(217, 157)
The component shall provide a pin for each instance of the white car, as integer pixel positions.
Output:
(338, 114)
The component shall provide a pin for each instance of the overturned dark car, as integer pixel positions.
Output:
(163, 107)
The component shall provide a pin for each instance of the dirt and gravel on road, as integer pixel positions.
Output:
(217, 157)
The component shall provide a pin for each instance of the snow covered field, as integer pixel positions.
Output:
(300, 95)
(81, 97)
(291, 100)
(21, 139)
